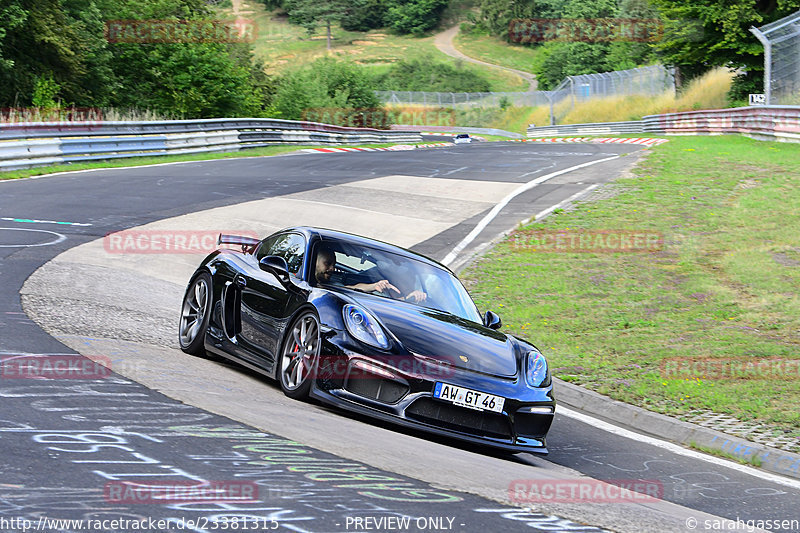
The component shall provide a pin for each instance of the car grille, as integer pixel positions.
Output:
(375, 387)
(453, 417)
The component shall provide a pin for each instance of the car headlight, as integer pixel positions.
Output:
(364, 327)
(535, 369)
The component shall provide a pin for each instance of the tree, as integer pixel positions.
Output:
(365, 15)
(310, 13)
(425, 74)
(185, 79)
(59, 40)
(415, 16)
(324, 84)
(702, 35)
(13, 16)
(496, 15)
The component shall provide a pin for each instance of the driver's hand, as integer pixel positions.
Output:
(416, 296)
(384, 286)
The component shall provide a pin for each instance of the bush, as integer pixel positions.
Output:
(427, 75)
(329, 88)
(365, 15)
(415, 16)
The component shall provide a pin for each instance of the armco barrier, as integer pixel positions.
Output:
(767, 123)
(600, 128)
(27, 145)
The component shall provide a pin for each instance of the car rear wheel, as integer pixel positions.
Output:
(299, 356)
(195, 314)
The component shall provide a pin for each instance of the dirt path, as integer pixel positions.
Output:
(444, 42)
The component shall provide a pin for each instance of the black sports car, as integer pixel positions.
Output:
(372, 328)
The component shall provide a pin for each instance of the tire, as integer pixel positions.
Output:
(299, 356)
(195, 314)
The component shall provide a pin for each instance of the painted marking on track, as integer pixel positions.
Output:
(58, 239)
(454, 171)
(35, 221)
(676, 448)
(544, 212)
(499, 207)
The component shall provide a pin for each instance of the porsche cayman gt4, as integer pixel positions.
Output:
(371, 328)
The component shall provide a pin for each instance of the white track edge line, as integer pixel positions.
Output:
(499, 207)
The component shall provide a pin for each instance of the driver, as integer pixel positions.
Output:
(326, 264)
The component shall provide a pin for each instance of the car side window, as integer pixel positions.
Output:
(265, 246)
(291, 247)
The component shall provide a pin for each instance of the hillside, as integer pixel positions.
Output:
(282, 45)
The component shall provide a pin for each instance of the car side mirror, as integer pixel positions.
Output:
(275, 265)
(491, 320)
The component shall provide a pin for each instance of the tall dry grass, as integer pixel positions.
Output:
(706, 92)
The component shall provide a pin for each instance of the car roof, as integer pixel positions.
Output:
(329, 234)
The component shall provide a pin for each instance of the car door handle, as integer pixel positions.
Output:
(240, 280)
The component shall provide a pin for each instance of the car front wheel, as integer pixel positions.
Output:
(299, 356)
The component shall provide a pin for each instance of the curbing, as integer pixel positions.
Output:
(674, 430)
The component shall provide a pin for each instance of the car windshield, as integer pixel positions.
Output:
(353, 266)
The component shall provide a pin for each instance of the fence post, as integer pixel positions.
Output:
(767, 63)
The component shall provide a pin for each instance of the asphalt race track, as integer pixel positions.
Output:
(67, 445)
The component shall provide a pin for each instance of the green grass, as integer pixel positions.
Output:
(496, 51)
(725, 285)
(156, 160)
(282, 45)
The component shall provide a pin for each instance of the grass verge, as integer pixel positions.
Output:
(725, 285)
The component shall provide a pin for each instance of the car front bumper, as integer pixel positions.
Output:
(383, 387)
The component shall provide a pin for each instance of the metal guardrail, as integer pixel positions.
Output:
(26, 145)
(599, 128)
(773, 123)
(458, 129)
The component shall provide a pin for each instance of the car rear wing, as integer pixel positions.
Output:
(248, 244)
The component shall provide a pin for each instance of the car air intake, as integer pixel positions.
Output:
(374, 383)
(461, 419)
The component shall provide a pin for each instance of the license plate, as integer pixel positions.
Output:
(468, 398)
